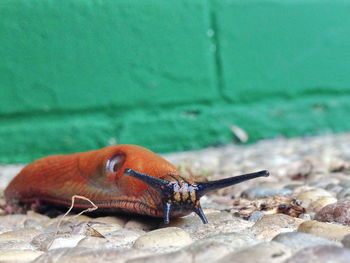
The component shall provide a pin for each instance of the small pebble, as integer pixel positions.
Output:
(193, 221)
(121, 221)
(327, 230)
(334, 188)
(144, 224)
(318, 204)
(321, 254)
(299, 240)
(118, 239)
(321, 181)
(13, 221)
(164, 237)
(40, 218)
(43, 241)
(19, 255)
(24, 234)
(124, 237)
(260, 192)
(308, 197)
(344, 194)
(65, 241)
(234, 240)
(256, 216)
(338, 212)
(226, 226)
(93, 242)
(30, 223)
(292, 186)
(271, 252)
(346, 241)
(345, 183)
(15, 245)
(103, 228)
(83, 254)
(272, 225)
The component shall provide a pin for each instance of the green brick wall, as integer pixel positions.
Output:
(169, 75)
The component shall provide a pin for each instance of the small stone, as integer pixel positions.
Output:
(43, 241)
(15, 245)
(93, 242)
(327, 230)
(65, 241)
(305, 217)
(318, 204)
(222, 222)
(103, 228)
(271, 252)
(13, 221)
(144, 224)
(320, 180)
(346, 241)
(334, 188)
(272, 225)
(292, 186)
(338, 212)
(344, 194)
(165, 237)
(24, 234)
(19, 255)
(111, 220)
(37, 217)
(234, 240)
(124, 237)
(308, 197)
(83, 254)
(260, 192)
(30, 223)
(256, 216)
(321, 254)
(299, 240)
(118, 239)
(191, 222)
(345, 183)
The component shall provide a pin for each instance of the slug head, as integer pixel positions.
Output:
(179, 196)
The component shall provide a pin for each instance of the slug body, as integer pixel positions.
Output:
(120, 178)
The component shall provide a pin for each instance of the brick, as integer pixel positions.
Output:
(286, 49)
(77, 55)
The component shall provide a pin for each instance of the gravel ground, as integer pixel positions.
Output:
(301, 213)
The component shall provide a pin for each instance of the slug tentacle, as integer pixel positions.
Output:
(204, 188)
(201, 215)
(154, 182)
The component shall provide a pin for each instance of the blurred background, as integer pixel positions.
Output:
(173, 75)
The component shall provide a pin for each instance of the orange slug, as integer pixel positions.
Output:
(120, 178)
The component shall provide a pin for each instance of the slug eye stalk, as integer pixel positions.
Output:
(180, 196)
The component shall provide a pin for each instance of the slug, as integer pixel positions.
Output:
(120, 178)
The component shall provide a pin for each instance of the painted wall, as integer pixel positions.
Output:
(169, 75)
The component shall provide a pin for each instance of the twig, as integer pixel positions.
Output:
(90, 209)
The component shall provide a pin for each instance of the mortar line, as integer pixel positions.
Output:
(215, 41)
